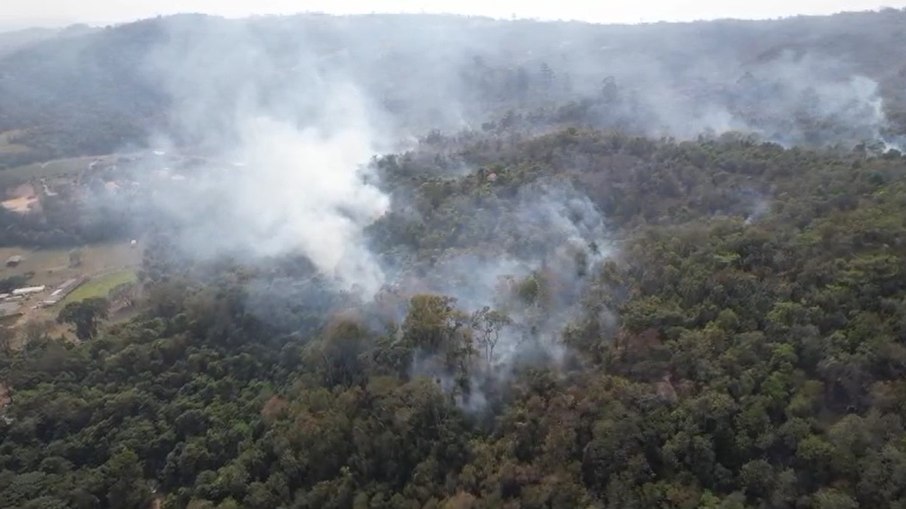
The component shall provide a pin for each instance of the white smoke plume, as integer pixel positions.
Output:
(305, 190)
(542, 248)
(284, 152)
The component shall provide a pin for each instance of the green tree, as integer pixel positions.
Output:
(435, 327)
(128, 489)
(85, 315)
(829, 498)
(75, 258)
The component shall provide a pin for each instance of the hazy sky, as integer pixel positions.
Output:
(19, 13)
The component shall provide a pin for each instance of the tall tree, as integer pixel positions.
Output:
(85, 316)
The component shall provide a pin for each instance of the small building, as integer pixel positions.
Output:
(62, 291)
(28, 290)
(14, 260)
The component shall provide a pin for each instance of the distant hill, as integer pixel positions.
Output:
(81, 91)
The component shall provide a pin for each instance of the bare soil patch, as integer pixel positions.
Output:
(22, 199)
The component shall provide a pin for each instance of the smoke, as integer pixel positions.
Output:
(759, 208)
(282, 115)
(420, 74)
(284, 152)
(304, 191)
(547, 227)
(790, 99)
(530, 261)
(803, 100)
(273, 123)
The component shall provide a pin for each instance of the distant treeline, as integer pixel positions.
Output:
(96, 91)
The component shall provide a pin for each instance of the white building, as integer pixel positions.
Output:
(29, 290)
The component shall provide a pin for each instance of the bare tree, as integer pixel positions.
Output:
(487, 324)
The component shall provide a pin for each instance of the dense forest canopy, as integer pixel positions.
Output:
(441, 262)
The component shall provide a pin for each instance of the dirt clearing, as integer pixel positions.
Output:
(21, 199)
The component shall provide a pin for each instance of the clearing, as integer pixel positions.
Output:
(8, 146)
(22, 199)
(100, 286)
(49, 169)
(51, 266)
(104, 265)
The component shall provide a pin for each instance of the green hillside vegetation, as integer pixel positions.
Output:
(755, 356)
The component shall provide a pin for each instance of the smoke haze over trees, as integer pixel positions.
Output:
(829, 79)
(450, 262)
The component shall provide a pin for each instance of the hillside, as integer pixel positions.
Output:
(111, 89)
(734, 341)
(456, 263)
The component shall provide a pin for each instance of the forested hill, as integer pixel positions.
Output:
(90, 92)
(457, 263)
(739, 344)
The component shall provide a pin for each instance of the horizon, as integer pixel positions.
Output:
(22, 14)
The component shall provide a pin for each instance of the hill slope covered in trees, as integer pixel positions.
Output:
(728, 354)
(427, 261)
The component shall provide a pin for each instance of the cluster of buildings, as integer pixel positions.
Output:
(11, 303)
(61, 291)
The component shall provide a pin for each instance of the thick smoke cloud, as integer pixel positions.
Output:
(790, 99)
(419, 74)
(284, 156)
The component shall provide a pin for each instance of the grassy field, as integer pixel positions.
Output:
(101, 286)
(49, 169)
(51, 266)
(105, 265)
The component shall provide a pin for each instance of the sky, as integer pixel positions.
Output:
(24, 13)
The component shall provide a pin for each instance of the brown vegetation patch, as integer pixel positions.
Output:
(275, 407)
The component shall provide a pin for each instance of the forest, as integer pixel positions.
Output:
(562, 294)
(727, 356)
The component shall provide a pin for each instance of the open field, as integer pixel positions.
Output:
(100, 286)
(104, 265)
(49, 169)
(51, 266)
(7, 146)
